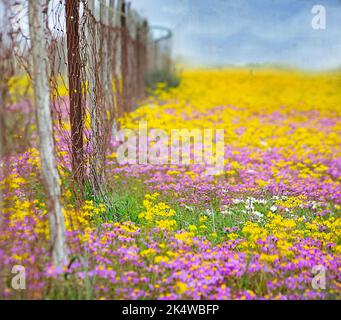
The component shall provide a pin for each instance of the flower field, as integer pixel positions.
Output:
(267, 227)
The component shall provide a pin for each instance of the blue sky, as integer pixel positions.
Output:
(239, 32)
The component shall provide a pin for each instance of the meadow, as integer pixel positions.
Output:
(267, 227)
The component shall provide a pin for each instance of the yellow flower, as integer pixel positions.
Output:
(159, 259)
(181, 287)
(148, 252)
(192, 228)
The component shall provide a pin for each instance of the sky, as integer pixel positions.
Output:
(242, 32)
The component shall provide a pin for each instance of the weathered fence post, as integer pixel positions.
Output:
(3, 90)
(145, 32)
(124, 58)
(94, 158)
(111, 56)
(141, 56)
(138, 47)
(6, 72)
(104, 19)
(49, 170)
(106, 71)
(75, 90)
(113, 59)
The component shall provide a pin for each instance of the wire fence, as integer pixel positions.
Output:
(94, 56)
(99, 53)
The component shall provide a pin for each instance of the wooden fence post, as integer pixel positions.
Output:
(95, 163)
(75, 90)
(124, 58)
(45, 131)
(3, 91)
(141, 56)
(103, 68)
(118, 60)
(108, 62)
(112, 70)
